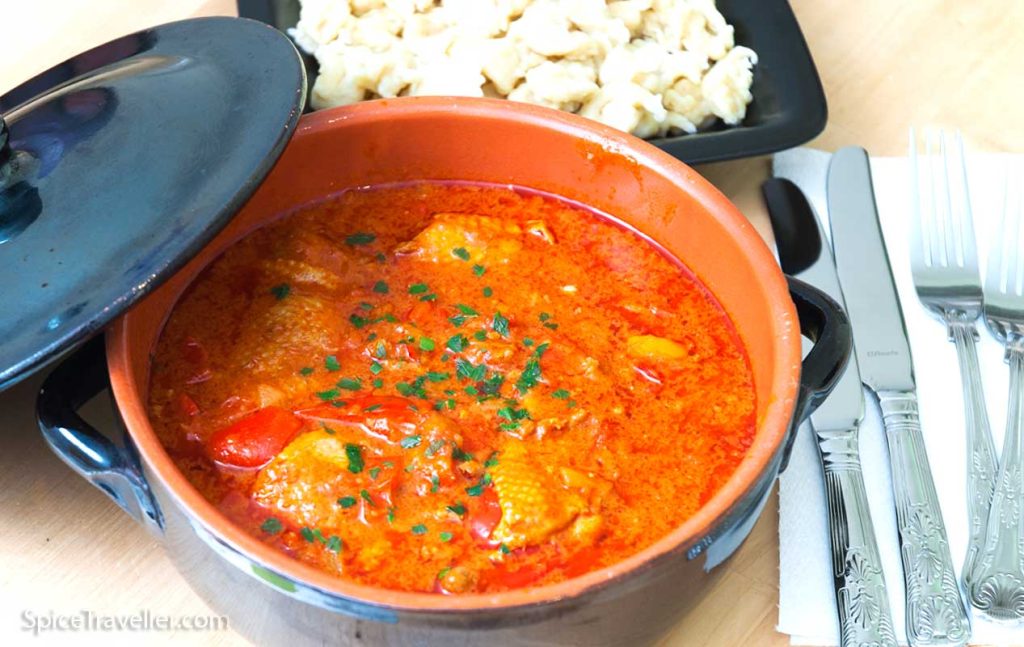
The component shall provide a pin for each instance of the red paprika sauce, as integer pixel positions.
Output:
(452, 388)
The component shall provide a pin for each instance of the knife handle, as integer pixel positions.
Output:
(935, 611)
(981, 451)
(861, 598)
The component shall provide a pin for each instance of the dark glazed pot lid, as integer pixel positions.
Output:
(122, 163)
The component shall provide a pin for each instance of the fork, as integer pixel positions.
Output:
(998, 580)
(944, 264)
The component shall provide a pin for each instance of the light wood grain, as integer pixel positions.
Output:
(884, 65)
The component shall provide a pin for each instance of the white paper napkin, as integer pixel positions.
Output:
(807, 606)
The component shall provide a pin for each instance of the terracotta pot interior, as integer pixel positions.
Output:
(499, 142)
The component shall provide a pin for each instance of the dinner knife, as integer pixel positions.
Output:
(935, 610)
(862, 601)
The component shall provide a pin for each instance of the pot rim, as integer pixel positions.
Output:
(772, 426)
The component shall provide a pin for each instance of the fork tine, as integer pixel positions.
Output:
(944, 196)
(937, 238)
(968, 244)
(1002, 262)
(1014, 239)
(919, 234)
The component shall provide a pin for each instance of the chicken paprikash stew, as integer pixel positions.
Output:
(452, 388)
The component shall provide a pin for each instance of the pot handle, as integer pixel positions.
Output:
(824, 322)
(112, 468)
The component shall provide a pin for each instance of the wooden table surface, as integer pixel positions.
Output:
(885, 65)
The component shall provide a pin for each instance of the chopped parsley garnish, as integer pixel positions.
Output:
(530, 375)
(457, 320)
(479, 270)
(391, 514)
(426, 343)
(354, 454)
(457, 508)
(372, 408)
(512, 414)
(419, 529)
(476, 490)
(360, 238)
(281, 291)
(380, 352)
(374, 473)
(571, 404)
(500, 324)
(435, 446)
(327, 396)
(429, 297)
(460, 455)
(378, 383)
(527, 342)
(444, 571)
(552, 326)
(271, 526)
(492, 460)
(306, 371)
(492, 385)
(334, 544)
(544, 316)
(380, 287)
(410, 441)
(357, 321)
(561, 394)
(415, 388)
(435, 483)
(331, 363)
(347, 501)
(366, 497)
(418, 288)
(381, 258)
(461, 252)
(465, 370)
(480, 335)
(488, 291)
(365, 305)
(540, 350)
(505, 549)
(445, 537)
(350, 384)
(472, 390)
(434, 376)
(466, 310)
(376, 368)
(307, 533)
(457, 343)
(327, 430)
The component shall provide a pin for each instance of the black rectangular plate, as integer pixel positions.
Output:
(789, 105)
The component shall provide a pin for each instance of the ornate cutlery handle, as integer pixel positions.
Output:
(861, 598)
(981, 451)
(997, 584)
(935, 610)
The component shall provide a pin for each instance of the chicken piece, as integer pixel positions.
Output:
(431, 464)
(533, 504)
(305, 480)
(284, 332)
(426, 438)
(484, 238)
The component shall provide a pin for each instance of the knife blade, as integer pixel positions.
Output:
(858, 581)
(935, 610)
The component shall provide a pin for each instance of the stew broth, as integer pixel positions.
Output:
(452, 388)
